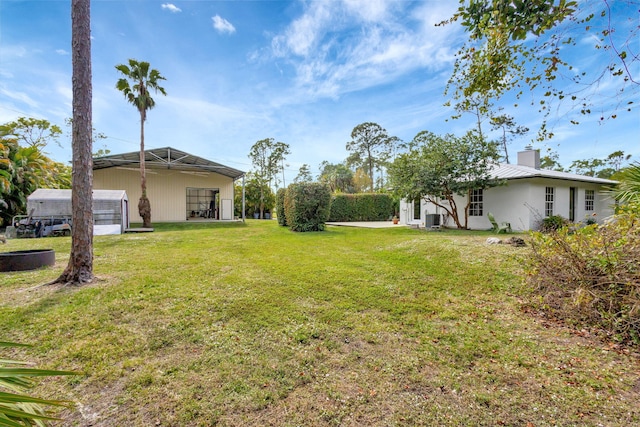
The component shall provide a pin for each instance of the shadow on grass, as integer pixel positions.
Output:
(192, 225)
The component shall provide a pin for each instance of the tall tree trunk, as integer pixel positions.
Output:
(370, 164)
(144, 205)
(261, 202)
(466, 210)
(284, 184)
(504, 144)
(454, 210)
(80, 267)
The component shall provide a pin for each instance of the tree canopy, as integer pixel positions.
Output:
(337, 176)
(23, 169)
(259, 197)
(304, 174)
(521, 46)
(436, 168)
(370, 147)
(607, 167)
(267, 157)
(31, 132)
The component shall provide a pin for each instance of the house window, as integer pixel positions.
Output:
(475, 207)
(548, 201)
(589, 199)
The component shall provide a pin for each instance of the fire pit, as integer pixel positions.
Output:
(26, 260)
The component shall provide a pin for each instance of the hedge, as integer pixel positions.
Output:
(280, 194)
(361, 207)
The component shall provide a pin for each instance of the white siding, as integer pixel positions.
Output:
(521, 203)
(166, 189)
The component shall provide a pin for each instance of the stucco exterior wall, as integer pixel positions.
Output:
(166, 189)
(521, 202)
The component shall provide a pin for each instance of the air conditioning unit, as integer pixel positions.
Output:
(431, 220)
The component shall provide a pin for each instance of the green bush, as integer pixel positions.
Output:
(280, 194)
(362, 207)
(553, 223)
(306, 206)
(590, 276)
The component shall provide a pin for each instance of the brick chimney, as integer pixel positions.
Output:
(529, 157)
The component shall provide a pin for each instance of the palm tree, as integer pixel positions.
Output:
(135, 85)
(628, 190)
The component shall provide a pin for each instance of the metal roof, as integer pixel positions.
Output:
(42, 194)
(166, 158)
(509, 171)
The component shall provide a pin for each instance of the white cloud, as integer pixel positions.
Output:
(305, 32)
(65, 91)
(171, 7)
(222, 25)
(62, 52)
(21, 97)
(344, 46)
(368, 10)
(12, 51)
(204, 112)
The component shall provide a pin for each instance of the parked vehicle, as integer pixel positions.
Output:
(27, 226)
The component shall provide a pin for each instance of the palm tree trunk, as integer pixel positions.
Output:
(80, 267)
(144, 206)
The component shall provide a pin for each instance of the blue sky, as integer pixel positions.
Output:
(301, 72)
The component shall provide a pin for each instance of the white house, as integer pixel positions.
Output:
(529, 195)
(180, 186)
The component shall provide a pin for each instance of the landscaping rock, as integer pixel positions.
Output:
(493, 241)
(516, 241)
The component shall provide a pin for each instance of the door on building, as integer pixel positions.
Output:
(203, 203)
(573, 202)
(416, 210)
(227, 209)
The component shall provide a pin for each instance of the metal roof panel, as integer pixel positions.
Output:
(166, 158)
(509, 171)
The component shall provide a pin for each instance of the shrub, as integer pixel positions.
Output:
(282, 219)
(590, 220)
(590, 276)
(553, 223)
(362, 207)
(306, 206)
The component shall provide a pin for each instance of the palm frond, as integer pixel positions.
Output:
(17, 408)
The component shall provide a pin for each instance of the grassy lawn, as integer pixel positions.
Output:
(251, 324)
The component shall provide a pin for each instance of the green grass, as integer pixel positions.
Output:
(251, 324)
